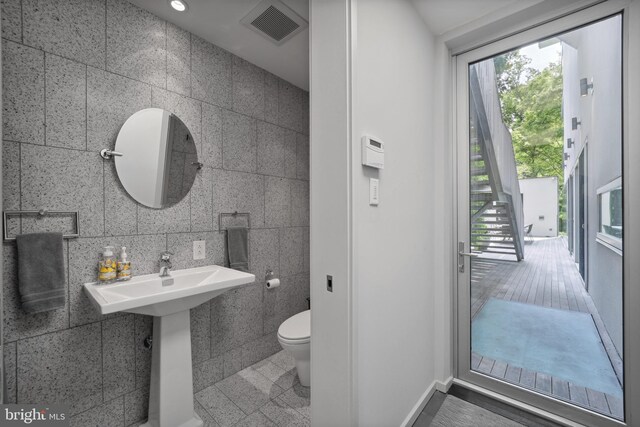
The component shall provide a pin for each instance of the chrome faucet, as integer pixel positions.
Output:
(165, 260)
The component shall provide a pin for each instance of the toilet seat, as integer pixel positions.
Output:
(296, 329)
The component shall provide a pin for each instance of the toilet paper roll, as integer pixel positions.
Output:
(273, 283)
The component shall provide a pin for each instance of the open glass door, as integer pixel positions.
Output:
(536, 217)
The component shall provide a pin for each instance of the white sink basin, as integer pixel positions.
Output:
(148, 295)
(168, 299)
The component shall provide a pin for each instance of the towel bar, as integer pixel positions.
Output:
(41, 212)
(234, 215)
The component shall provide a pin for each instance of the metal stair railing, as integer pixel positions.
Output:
(497, 146)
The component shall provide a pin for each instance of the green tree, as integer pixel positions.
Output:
(531, 103)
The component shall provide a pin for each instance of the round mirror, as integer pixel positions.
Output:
(157, 159)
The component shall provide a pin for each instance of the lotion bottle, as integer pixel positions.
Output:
(107, 266)
(124, 266)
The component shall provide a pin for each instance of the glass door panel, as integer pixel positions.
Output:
(534, 218)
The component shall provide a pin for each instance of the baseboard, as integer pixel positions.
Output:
(444, 387)
(532, 410)
(424, 399)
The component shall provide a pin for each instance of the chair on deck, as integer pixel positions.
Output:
(527, 231)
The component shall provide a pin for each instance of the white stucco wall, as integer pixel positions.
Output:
(540, 205)
(594, 52)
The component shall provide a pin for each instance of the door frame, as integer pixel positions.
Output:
(539, 404)
(582, 197)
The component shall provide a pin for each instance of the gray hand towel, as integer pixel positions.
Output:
(41, 271)
(237, 248)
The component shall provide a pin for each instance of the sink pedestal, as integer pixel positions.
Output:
(171, 393)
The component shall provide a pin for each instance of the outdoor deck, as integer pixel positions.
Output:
(546, 277)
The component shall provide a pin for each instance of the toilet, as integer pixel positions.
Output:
(294, 335)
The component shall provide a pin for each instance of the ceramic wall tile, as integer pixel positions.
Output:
(120, 210)
(181, 245)
(210, 73)
(237, 191)
(211, 136)
(143, 328)
(23, 93)
(11, 184)
(10, 368)
(248, 88)
(110, 414)
(66, 96)
(200, 336)
(264, 252)
(111, 99)
(239, 142)
(201, 199)
(136, 405)
(271, 84)
(299, 202)
(12, 20)
(290, 147)
(271, 149)
(136, 43)
(62, 367)
(260, 349)
(290, 106)
(50, 178)
(74, 29)
(187, 109)
(291, 245)
(302, 156)
(178, 60)
(173, 219)
(207, 373)
(277, 202)
(118, 356)
(236, 318)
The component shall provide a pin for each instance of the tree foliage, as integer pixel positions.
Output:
(531, 103)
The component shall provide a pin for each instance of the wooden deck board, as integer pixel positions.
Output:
(578, 394)
(547, 277)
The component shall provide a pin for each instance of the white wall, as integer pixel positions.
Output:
(381, 258)
(595, 52)
(393, 75)
(540, 200)
(330, 213)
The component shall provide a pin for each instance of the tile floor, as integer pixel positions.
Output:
(267, 393)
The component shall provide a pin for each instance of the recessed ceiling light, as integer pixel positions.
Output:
(179, 5)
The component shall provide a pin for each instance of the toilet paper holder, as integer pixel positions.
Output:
(269, 275)
(270, 280)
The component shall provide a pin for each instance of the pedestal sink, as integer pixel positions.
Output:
(171, 392)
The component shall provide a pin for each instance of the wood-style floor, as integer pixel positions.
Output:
(547, 277)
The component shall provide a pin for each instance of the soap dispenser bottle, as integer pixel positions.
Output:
(107, 266)
(124, 265)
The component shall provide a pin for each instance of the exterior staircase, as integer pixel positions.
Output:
(495, 199)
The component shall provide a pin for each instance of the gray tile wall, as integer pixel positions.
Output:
(73, 71)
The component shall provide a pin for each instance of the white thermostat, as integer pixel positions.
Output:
(372, 152)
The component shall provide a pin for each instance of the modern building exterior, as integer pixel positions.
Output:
(593, 166)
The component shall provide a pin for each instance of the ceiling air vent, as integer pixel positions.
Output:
(275, 21)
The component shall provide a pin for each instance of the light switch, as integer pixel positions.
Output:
(199, 249)
(374, 192)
